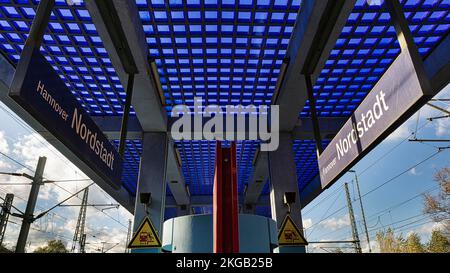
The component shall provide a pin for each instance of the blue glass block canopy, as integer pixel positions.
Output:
(131, 159)
(74, 48)
(198, 164)
(367, 46)
(226, 52)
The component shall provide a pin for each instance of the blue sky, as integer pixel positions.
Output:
(389, 159)
(109, 228)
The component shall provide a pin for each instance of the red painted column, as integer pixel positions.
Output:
(225, 201)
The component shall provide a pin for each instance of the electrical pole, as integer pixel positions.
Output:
(103, 247)
(128, 236)
(83, 243)
(28, 217)
(362, 211)
(79, 230)
(4, 214)
(352, 220)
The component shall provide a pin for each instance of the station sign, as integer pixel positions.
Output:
(397, 95)
(42, 93)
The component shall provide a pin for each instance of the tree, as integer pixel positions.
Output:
(388, 243)
(438, 243)
(413, 244)
(4, 249)
(53, 246)
(438, 207)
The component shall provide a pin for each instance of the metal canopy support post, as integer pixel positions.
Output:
(313, 112)
(113, 26)
(28, 217)
(406, 41)
(40, 23)
(152, 180)
(283, 178)
(225, 201)
(126, 113)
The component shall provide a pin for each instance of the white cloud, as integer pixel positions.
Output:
(61, 222)
(441, 126)
(336, 222)
(414, 172)
(401, 133)
(4, 147)
(307, 223)
(427, 228)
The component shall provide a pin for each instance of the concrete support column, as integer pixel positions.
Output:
(152, 179)
(283, 178)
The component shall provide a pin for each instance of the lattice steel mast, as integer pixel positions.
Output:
(79, 236)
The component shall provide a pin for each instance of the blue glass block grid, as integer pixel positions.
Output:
(306, 160)
(203, 210)
(226, 52)
(367, 46)
(131, 159)
(170, 212)
(198, 164)
(72, 46)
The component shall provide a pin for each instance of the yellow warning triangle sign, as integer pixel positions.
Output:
(289, 234)
(145, 236)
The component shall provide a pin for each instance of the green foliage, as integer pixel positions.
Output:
(438, 243)
(388, 243)
(413, 244)
(438, 206)
(53, 246)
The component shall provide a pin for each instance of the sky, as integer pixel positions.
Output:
(391, 186)
(105, 230)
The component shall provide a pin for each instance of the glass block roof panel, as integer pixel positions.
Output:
(226, 52)
(198, 164)
(72, 46)
(131, 160)
(367, 46)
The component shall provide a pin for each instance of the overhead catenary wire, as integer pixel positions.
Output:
(384, 211)
(29, 168)
(324, 199)
(404, 140)
(402, 173)
(21, 212)
(323, 218)
(378, 215)
(374, 163)
(383, 184)
(32, 132)
(52, 181)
